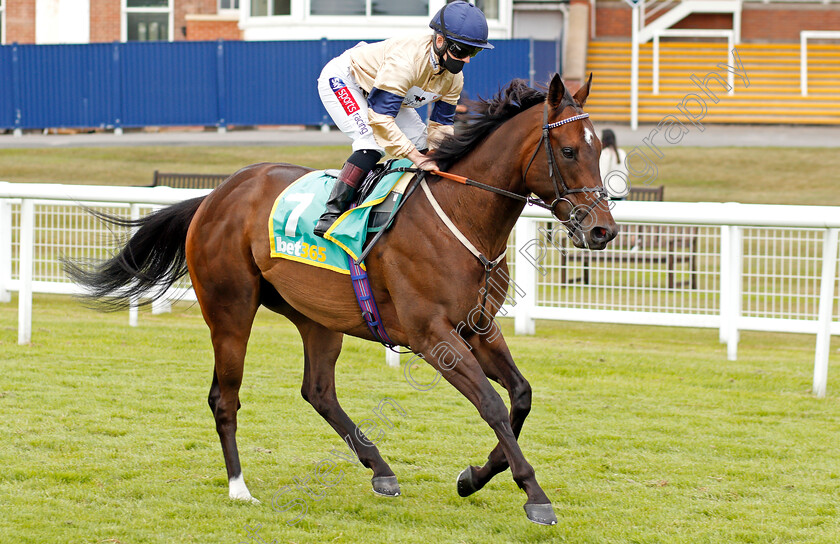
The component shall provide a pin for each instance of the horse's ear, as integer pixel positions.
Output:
(583, 93)
(556, 91)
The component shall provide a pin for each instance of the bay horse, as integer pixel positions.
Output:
(522, 142)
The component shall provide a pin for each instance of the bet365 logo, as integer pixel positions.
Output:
(301, 249)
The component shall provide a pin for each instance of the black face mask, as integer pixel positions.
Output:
(452, 65)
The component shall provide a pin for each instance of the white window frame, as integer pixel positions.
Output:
(227, 11)
(2, 22)
(301, 25)
(170, 9)
(245, 8)
(369, 12)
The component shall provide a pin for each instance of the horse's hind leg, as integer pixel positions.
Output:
(229, 312)
(497, 363)
(321, 348)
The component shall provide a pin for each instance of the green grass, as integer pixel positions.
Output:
(756, 175)
(638, 434)
(136, 165)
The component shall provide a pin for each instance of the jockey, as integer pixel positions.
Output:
(371, 92)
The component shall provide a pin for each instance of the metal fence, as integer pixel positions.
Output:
(205, 83)
(727, 266)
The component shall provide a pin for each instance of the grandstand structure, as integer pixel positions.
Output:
(789, 51)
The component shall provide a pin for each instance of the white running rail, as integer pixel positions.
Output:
(727, 266)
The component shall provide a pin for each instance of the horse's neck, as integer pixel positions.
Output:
(487, 218)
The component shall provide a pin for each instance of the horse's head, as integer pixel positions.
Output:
(563, 170)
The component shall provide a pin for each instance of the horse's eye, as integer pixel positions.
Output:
(568, 152)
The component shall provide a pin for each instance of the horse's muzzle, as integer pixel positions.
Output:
(600, 236)
(594, 237)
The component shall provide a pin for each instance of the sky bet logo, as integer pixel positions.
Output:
(351, 108)
(344, 97)
(300, 249)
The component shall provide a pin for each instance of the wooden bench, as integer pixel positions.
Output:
(187, 181)
(642, 244)
(647, 194)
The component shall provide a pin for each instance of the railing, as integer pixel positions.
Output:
(804, 36)
(747, 267)
(729, 34)
(727, 266)
(40, 223)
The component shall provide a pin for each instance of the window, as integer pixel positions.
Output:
(228, 5)
(263, 8)
(373, 7)
(489, 7)
(147, 20)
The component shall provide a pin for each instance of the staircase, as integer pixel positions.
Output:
(663, 14)
(773, 95)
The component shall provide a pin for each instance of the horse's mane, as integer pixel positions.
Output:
(484, 117)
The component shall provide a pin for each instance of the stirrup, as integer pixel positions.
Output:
(324, 223)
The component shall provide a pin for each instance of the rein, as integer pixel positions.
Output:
(557, 180)
(553, 172)
(473, 183)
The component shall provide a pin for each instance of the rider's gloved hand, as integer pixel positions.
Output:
(422, 161)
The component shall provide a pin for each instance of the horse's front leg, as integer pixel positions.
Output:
(459, 366)
(495, 359)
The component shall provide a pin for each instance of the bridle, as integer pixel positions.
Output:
(554, 173)
(560, 187)
(556, 177)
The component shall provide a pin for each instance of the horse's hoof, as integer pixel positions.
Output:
(466, 487)
(542, 514)
(387, 486)
(244, 498)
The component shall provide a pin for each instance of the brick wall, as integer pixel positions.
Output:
(190, 7)
(20, 21)
(760, 23)
(208, 29)
(106, 18)
(612, 20)
(105, 21)
(782, 23)
(707, 20)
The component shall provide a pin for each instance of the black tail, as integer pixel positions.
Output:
(151, 261)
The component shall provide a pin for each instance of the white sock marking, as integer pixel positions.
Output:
(239, 491)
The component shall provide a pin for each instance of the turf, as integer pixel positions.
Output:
(755, 175)
(637, 434)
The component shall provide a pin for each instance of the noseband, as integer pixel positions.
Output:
(560, 187)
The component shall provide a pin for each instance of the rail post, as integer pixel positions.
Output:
(525, 276)
(27, 239)
(132, 308)
(725, 271)
(735, 291)
(829, 268)
(5, 250)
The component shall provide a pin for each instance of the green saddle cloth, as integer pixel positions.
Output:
(298, 208)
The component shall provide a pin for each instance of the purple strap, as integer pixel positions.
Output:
(364, 296)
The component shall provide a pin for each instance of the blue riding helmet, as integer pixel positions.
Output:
(462, 22)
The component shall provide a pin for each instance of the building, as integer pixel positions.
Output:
(91, 21)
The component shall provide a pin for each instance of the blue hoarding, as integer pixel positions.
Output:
(204, 83)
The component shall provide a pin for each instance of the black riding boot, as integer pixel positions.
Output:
(342, 193)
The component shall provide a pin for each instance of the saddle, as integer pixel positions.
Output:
(380, 214)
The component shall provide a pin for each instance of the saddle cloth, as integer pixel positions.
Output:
(298, 208)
